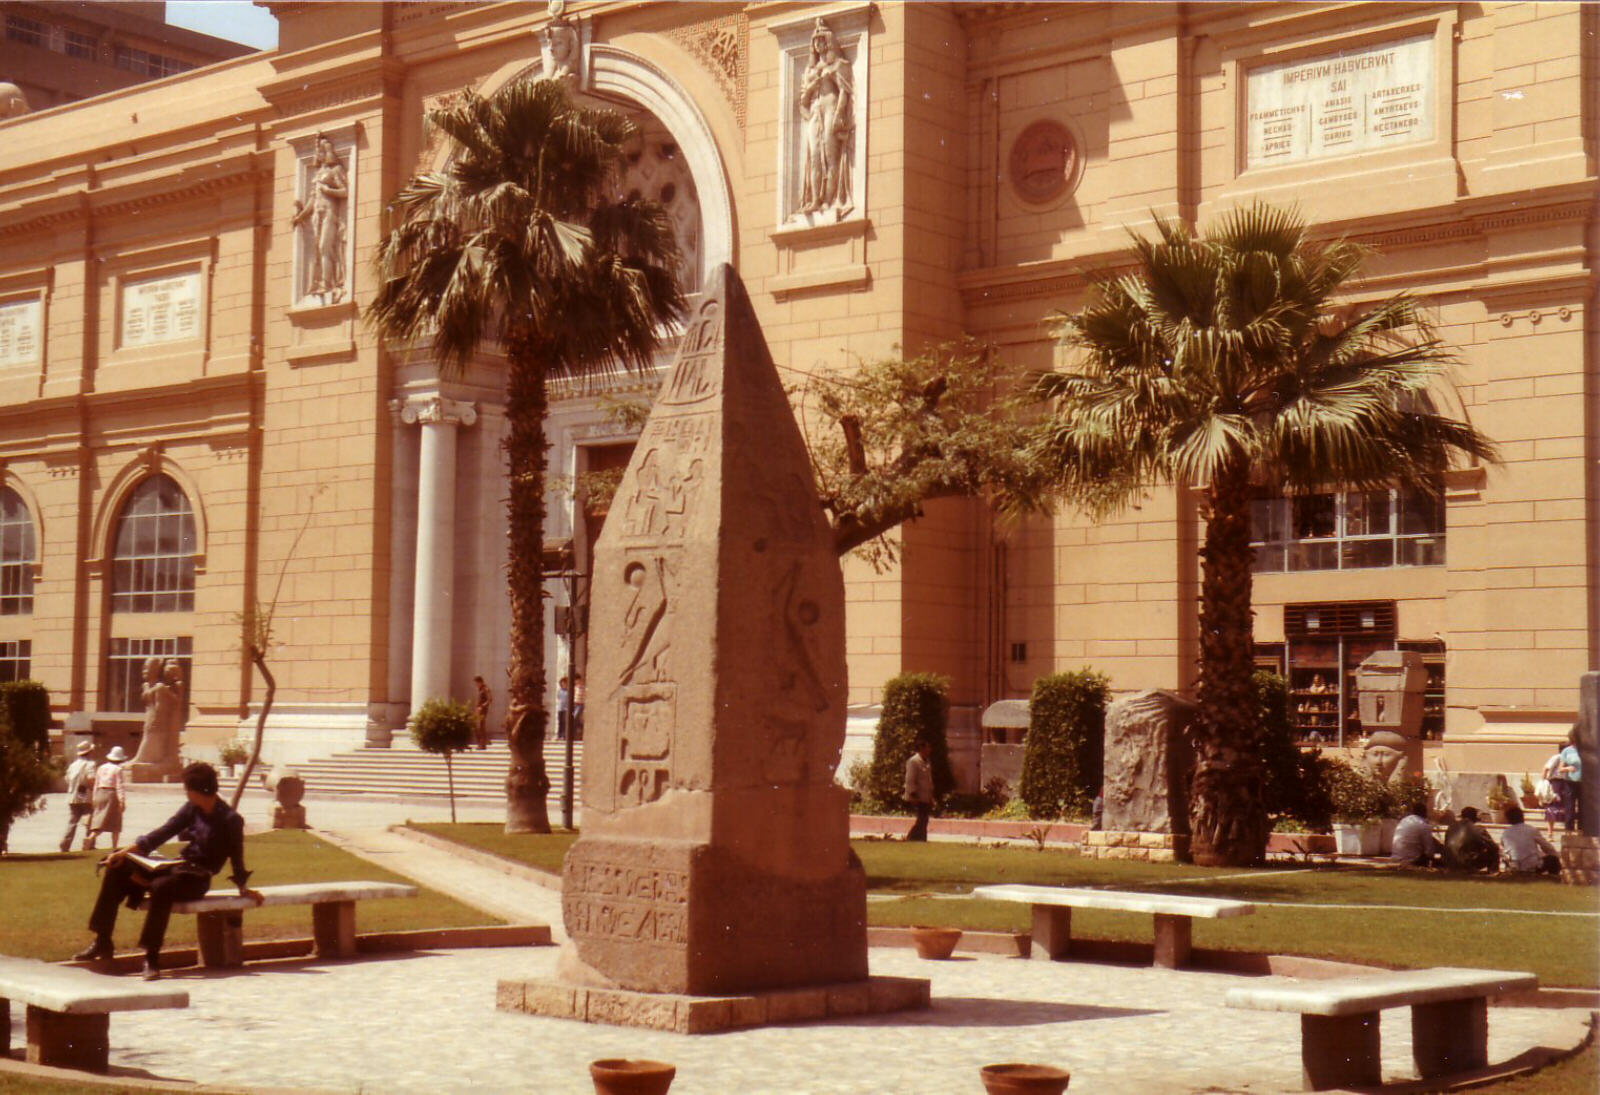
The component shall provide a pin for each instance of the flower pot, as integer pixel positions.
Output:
(619, 1076)
(1363, 838)
(935, 943)
(1015, 1079)
(1386, 829)
(1531, 802)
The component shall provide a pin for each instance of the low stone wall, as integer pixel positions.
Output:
(1580, 859)
(1152, 847)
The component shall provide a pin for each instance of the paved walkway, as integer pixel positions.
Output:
(426, 1023)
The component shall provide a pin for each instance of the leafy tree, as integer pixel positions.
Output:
(517, 245)
(1293, 780)
(26, 774)
(446, 727)
(1227, 362)
(915, 705)
(1063, 758)
(950, 422)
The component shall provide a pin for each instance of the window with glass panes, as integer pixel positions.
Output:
(16, 659)
(153, 558)
(17, 555)
(1350, 530)
(123, 689)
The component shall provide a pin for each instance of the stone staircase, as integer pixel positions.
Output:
(404, 771)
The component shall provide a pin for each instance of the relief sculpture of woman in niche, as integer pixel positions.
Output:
(323, 213)
(827, 105)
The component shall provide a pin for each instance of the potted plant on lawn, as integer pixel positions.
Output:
(1530, 798)
(231, 755)
(1500, 800)
(1359, 804)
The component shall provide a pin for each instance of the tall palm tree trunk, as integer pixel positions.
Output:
(1227, 817)
(527, 784)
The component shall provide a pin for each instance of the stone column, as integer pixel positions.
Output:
(402, 565)
(433, 603)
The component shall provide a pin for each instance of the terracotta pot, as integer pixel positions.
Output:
(1012, 1079)
(617, 1076)
(936, 943)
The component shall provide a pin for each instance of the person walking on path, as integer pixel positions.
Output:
(1570, 785)
(563, 709)
(1551, 794)
(919, 788)
(578, 694)
(215, 835)
(80, 793)
(110, 799)
(480, 713)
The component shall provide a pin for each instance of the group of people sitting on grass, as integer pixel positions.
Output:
(1467, 846)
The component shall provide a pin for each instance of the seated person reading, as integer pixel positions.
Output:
(215, 833)
(1525, 848)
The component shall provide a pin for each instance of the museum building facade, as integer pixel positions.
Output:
(196, 423)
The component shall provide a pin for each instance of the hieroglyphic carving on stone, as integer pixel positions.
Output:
(646, 696)
(723, 46)
(645, 638)
(321, 221)
(638, 904)
(695, 377)
(800, 695)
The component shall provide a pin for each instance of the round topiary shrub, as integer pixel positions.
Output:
(915, 705)
(443, 726)
(1064, 753)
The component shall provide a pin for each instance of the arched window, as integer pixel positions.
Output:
(153, 562)
(18, 553)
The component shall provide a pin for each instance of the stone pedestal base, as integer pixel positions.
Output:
(709, 1014)
(1152, 847)
(140, 772)
(1580, 859)
(69, 1041)
(288, 817)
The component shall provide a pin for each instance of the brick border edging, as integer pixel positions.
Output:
(500, 863)
(1057, 833)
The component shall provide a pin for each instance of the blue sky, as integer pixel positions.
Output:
(235, 20)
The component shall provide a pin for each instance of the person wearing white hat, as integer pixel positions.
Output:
(80, 790)
(110, 800)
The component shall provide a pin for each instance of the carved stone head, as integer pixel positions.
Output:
(152, 670)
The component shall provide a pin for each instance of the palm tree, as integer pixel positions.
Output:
(1228, 363)
(518, 246)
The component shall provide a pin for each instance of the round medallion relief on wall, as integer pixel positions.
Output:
(1045, 162)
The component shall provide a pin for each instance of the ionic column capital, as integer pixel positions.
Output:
(434, 409)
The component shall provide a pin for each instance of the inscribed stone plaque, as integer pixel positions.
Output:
(20, 322)
(164, 309)
(1361, 100)
(715, 855)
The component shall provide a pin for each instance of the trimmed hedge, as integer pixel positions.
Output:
(1063, 759)
(915, 705)
(25, 707)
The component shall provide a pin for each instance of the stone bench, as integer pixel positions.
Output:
(220, 916)
(1053, 905)
(69, 1010)
(1339, 1043)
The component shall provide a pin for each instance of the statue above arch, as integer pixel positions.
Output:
(561, 49)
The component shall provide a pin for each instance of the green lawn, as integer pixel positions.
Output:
(51, 923)
(1502, 922)
(541, 850)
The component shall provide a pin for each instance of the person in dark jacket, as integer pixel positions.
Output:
(1467, 847)
(215, 835)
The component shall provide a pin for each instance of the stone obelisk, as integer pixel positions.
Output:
(715, 852)
(714, 859)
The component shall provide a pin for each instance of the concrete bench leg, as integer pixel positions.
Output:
(1052, 933)
(1340, 1051)
(1450, 1037)
(221, 939)
(69, 1041)
(1172, 940)
(333, 927)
